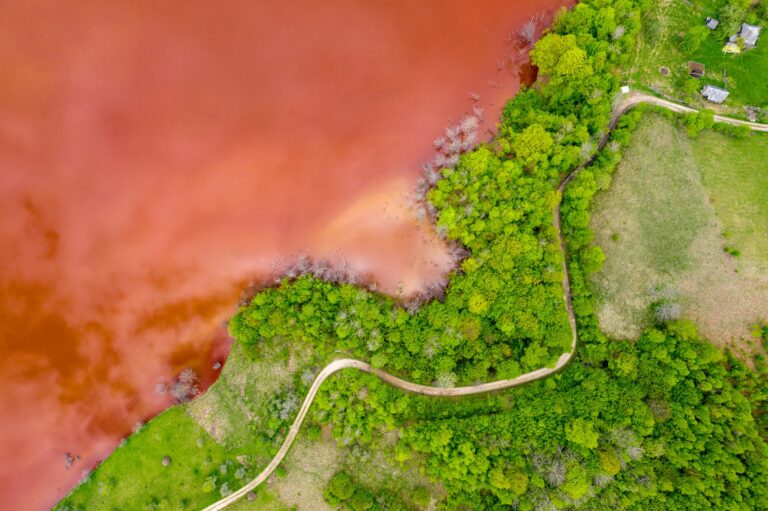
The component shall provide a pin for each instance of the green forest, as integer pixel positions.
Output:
(666, 421)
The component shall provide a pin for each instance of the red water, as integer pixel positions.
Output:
(155, 156)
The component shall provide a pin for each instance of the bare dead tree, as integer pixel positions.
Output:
(185, 386)
(527, 32)
(161, 388)
(667, 311)
(555, 474)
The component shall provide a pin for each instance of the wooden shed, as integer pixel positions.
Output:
(695, 69)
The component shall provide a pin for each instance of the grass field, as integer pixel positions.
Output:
(674, 205)
(659, 47)
(135, 477)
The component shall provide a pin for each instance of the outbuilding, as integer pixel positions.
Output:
(695, 69)
(714, 94)
(750, 34)
(712, 23)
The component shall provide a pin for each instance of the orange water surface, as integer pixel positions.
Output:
(155, 157)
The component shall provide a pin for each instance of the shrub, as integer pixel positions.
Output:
(340, 488)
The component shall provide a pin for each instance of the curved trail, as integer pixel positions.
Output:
(627, 102)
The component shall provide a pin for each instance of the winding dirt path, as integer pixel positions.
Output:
(626, 102)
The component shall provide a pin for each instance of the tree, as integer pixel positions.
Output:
(592, 259)
(573, 64)
(527, 32)
(666, 311)
(699, 121)
(361, 500)
(533, 144)
(340, 488)
(577, 482)
(580, 431)
(478, 304)
(546, 55)
(557, 55)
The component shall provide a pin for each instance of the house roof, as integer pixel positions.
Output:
(749, 33)
(714, 94)
(712, 23)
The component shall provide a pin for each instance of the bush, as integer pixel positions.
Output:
(340, 488)
(697, 122)
(739, 132)
(421, 497)
(361, 500)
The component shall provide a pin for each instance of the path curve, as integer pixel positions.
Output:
(625, 103)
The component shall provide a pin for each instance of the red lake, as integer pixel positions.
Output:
(156, 157)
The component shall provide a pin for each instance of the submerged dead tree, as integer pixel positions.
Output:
(182, 388)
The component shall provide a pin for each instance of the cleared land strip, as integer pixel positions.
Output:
(627, 102)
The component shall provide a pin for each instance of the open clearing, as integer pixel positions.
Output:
(662, 226)
(308, 468)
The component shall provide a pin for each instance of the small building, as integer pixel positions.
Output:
(712, 23)
(695, 69)
(731, 48)
(714, 94)
(750, 34)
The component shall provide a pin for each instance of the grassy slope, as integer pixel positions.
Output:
(662, 236)
(746, 72)
(134, 478)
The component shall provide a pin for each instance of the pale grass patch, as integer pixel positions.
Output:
(659, 230)
(309, 466)
(230, 403)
